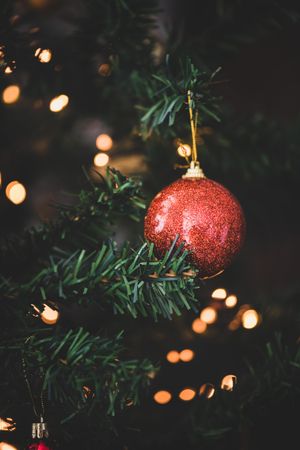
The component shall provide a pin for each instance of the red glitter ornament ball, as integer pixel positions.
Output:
(207, 218)
(39, 446)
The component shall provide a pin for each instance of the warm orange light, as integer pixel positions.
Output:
(228, 382)
(198, 326)
(173, 357)
(208, 315)
(6, 446)
(219, 294)
(207, 390)
(250, 319)
(187, 394)
(11, 94)
(184, 150)
(231, 301)
(101, 159)
(7, 424)
(49, 316)
(59, 103)
(186, 355)
(104, 142)
(104, 69)
(15, 192)
(162, 397)
(8, 70)
(43, 55)
(234, 325)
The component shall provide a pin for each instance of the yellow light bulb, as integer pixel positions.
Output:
(187, 394)
(101, 159)
(6, 446)
(228, 382)
(7, 424)
(184, 150)
(231, 301)
(173, 357)
(161, 397)
(8, 70)
(11, 94)
(207, 390)
(208, 315)
(58, 103)
(104, 142)
(250, 319)
(15, 192)
(49, 316)
(43, 55)
(219, 294)
(186, 355)
(199, 326)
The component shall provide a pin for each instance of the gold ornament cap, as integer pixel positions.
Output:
(194, 171)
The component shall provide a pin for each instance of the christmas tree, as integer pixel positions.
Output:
(118, 319)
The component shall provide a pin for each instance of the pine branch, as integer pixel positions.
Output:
(85, 220)
(126, 281)
(80, 371)
(170, 94)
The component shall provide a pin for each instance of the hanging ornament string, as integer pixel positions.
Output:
(194, 170)
(39, 428)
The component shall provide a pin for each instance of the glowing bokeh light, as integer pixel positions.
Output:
(173, 357)
(8, 70)
(101, 159)
(250, 319)
(15, 192)
(228, 382)
(11, 94)
(231, 301)
(207, 390)
(104, 70)
(6, 446)
(44, 55)
(187, 394)
(184, 150)
(198, 326)
(104, 142)
(49, 316)
(186, 355)
(208, 315)
(219, 294)
(162, 397)
(59, 103)
(7, 424)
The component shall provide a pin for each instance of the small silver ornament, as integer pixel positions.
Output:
(40, 429)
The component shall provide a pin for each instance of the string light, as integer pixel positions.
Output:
(6, 446)
(104, 70)
(231, 301)
(228, 382)
(184, 150)
(15, 192)
(49, 316)
(101, 159)
(173, 357)
(250, 319)
(104, 142)
(208, 315)
(43, 55)
(161, 397)
(58, 103)
(207, 390)
(187, 394)
(186, 355)
(7, 424)
(219, 294)
(11, 94)
(199, 326)
(8, 70)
